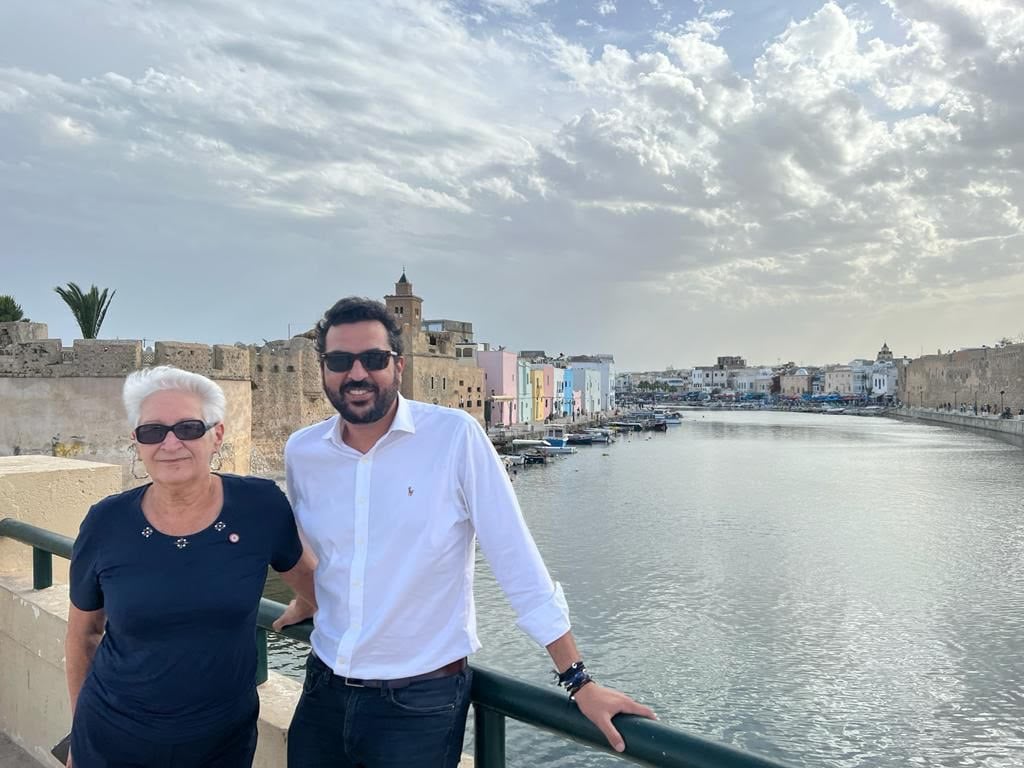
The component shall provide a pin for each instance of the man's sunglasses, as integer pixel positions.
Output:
(189, 429)
(371, 360)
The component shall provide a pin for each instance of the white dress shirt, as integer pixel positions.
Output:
(394, 532)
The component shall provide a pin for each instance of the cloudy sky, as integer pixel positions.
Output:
(664, 180)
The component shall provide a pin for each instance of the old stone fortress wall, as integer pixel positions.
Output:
(67, 402)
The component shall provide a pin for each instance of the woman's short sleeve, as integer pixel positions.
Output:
(86, 593)
(287, 546)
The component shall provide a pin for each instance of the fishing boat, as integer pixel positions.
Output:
(556, 437)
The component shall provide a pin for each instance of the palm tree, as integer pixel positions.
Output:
(89, 308)
(10, 310)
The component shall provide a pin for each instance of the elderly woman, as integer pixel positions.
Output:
(173, 572)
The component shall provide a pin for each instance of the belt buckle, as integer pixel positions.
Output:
(353, 683)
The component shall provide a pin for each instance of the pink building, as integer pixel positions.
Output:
(501, 385)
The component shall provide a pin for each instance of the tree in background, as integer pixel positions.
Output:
(89, 308)
(10, 310)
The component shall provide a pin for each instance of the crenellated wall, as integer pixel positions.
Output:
(286, 395)
(67, 402)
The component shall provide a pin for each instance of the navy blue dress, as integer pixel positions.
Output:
(177, 664)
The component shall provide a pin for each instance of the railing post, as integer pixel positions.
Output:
(489, 748)
(42, 568)
(261, 656)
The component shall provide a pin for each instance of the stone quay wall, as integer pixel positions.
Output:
(967, 377)
(1013, 427)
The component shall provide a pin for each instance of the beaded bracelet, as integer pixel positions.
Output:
(574, 678)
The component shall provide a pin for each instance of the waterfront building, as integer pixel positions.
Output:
(747, 381)
(586, 383)
(501, 383)
(568, 408)
(709, 378)
(605, 365)
(459, 329)
(797, 384)
(731, 361)
(543, 382)
(524, 390)
(433, 373)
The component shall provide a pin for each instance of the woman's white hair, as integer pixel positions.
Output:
(162, 378)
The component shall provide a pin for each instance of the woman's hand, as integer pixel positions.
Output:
(297, 610)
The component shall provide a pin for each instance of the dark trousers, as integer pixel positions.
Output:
(338, 726)
(96, 742)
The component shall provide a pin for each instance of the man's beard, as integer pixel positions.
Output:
(382, 400)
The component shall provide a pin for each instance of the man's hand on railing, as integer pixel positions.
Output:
(298, 610)
(599, 705)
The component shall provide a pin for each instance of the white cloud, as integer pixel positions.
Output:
(837, 169)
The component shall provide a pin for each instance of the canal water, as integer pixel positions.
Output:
(824, 590)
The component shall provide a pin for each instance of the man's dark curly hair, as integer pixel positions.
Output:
(355, 309)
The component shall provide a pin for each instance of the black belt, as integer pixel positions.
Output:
(447, 670)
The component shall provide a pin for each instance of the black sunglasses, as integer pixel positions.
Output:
(371, 359)
(189, 429)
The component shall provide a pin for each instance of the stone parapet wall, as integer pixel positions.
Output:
(47, 358)
(12, 333)
(216, 362)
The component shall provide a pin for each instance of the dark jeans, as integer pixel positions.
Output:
(338, 726)
(98, 743)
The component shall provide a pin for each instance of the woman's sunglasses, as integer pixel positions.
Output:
(371, 359)
(189, 429)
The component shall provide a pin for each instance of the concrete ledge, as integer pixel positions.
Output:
(52, 493)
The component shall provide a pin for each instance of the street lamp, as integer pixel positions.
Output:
(1001, 393)
(954, 398)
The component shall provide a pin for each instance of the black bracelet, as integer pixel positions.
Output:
(572, 671)
(574, 691)
(574, 678)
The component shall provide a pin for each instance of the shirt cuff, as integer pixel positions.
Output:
(548, 621)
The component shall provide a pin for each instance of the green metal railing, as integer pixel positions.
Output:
(495, 696)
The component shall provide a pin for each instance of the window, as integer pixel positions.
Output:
(444, 383)
(460, 382)
(431, 382)
(478, 403)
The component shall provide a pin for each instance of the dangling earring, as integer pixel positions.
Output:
(135, 457)
(216, 461)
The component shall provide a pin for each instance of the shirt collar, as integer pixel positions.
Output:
(404, 422)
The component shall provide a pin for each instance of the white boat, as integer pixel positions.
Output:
(556, 450)
(513, 459)
(522, 442)
(600, 435)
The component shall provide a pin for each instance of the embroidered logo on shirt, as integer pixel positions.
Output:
(233, 538)
(410, 490)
